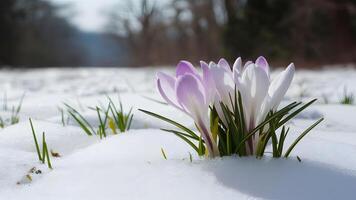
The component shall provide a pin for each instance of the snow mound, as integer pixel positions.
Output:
(130, 166)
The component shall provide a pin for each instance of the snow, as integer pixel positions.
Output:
(131, 165)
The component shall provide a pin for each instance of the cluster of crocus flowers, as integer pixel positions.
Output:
(242, 97)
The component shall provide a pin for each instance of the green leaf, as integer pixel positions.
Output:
(36, 142)
(184, 136)
(201, 151)
(301, 136)
(43, 147)
(187, 130)
(251, 133)
(45, 152)
(293, 114)
(282, 138)
(81, 124)
(80, 119)
(163, 154)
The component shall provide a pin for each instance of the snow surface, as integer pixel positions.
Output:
(131, 166)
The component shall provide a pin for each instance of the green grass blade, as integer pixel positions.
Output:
(45, 152)
(282, 138)
(201, 149)
(102, 125)
(178, 132)
(43, 147)
(184, 137)
(301, 136)
(130, 121)
(81, 124)
(20, 104)
(83, 121)
(36, 142)
(251, 133)
(190, 132)
(163, 154)
(48, 158)
(114, 114)
(293, 114)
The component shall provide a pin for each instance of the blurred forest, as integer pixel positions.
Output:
(309, 32)
(33, 35)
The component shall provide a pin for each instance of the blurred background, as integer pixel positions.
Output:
(71, 33)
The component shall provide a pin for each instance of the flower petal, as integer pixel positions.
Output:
(223, 82)
(247, 64)
(255, 87)
(224, 64)
(276, 91)
(280, 85)
(166, 87)
(185, 67)
(262, 62)
(208, 81)
(191, 95)
(237, 65)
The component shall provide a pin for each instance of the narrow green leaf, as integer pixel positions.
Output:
(171, 122)
(184, 136)
(201, 150)
(36, 142)
(163, 154)
(282, 138)
(290, 116)
(81, 124)
(251, 133)
(129, 123)
(301, 136)
(43, 147)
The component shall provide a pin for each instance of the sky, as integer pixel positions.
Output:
(88, 15)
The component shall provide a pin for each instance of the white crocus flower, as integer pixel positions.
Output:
(259, 94)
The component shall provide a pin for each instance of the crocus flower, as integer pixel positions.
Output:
(191, 93)
(221, 76)
(259, 94)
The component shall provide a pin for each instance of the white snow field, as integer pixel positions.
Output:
(131, 165)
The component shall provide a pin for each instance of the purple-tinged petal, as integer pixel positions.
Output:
(224, 83)
(208, 81)
(203, 64)
(262, 62)
(185, 67)
(191, 94)
(247, 64)
(224, 64)
(237, 65)
(166, 87)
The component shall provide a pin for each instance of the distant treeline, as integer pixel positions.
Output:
(33, 35)
(309, 32)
